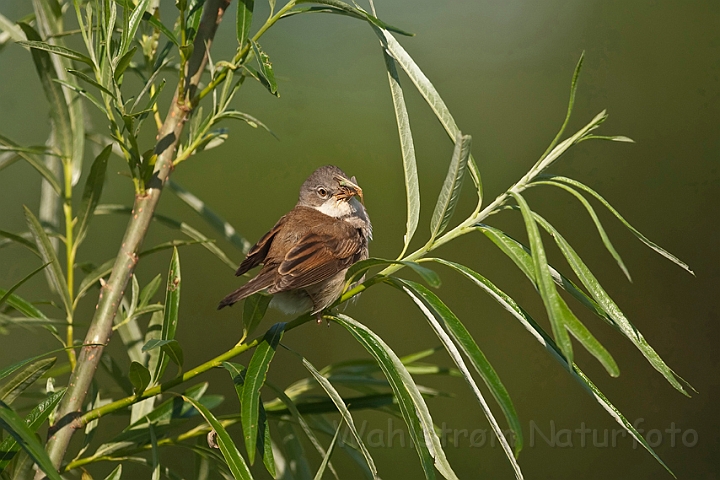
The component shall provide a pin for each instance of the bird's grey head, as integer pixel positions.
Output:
(330, 187)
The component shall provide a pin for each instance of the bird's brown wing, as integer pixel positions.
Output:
(259, 251)
(320, 254)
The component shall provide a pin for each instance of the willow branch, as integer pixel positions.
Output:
(112, 292)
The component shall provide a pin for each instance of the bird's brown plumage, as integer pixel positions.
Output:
(303, 249)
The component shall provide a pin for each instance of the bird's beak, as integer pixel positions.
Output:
(349, 188)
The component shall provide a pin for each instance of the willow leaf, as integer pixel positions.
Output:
(23, 435)
(536, 331)
(410, 400)
(6, 295)
(133, 24)
(93, 191)
(266, 68)
(20, 382)
(139, 377)
(343, 8)
(264, 441)
(172, 307)
(244, 20)
(294, 411)
(254, 309)
(20, 240)
(431, 96)
(603, 299)
(571, 103)
(407, 149)
(175, 224)
(450, 193)
(328, 454)
(635, 232)
(34, 420)
(237, 465)
(218, 223)
(358, 268)
(601, 231)
(344, 412)
(439, 316)
(49, 255)
(254, 380)
(57, 50)
(554, 304)
(35, 162)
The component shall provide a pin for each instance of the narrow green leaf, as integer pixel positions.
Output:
(536, 331)
(82, 76)
(11, 28)
(20, 382)
(171, 348)
(551, 299)
(133, 24)
(358, 268)
(172, 244)
(116, 474)
(57, 50)
(339, 7)
(149, 290)
(410, 400)
(172, 223)
(407, 149)
(265, 67)
(139, 376)
(162, 28)
(601, 231)
(635, 232)
(328, 454)
(237, 465)
(603, 299)
(244, 20)
(293, 409)
(49, 255)
(34, 420)
(123, 63)
(249, 119)
(254, 380)
(23, 435)
(22, 241)
(93, 191)
(264, 441)
(520, 254)
(344, 412)
(154, 453)
(82, 92)
(431, 96)
(545, 161)
(172, 306)
(116, 372)
(35, 162)
(293, 449)
(450, 193)
(439, 315)
(94, 277)
(254, 309)
(571, 103)
(5, 296)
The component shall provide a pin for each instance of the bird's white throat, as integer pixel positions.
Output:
(339, 208)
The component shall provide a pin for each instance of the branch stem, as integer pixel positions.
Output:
(70, 259)
(112, 292)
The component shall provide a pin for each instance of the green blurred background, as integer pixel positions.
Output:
(504, 70)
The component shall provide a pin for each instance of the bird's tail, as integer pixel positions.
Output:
(260, 282)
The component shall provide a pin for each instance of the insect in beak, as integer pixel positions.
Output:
(348, 188)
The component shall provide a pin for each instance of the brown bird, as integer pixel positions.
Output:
(307, 252)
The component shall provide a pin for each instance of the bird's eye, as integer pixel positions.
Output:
(322, 192)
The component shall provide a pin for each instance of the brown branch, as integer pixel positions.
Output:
(112, 292)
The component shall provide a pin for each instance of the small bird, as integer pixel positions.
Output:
(307, 252)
